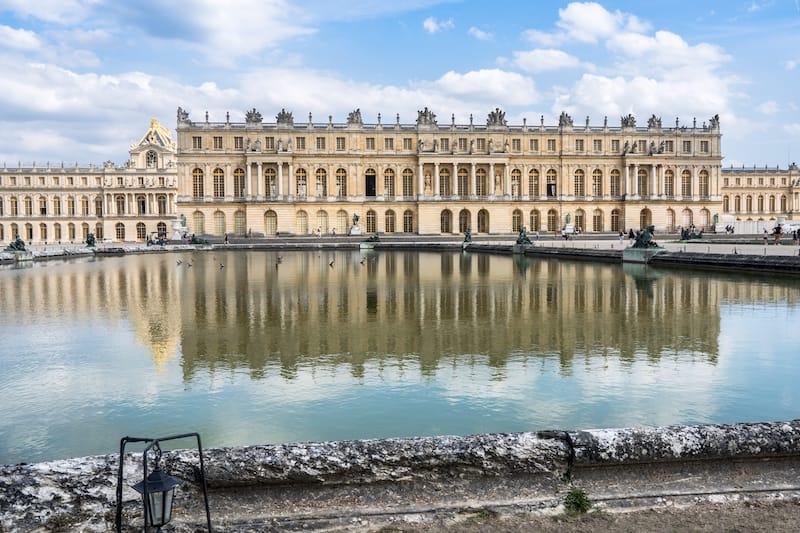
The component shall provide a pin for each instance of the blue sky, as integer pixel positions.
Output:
(81, 78)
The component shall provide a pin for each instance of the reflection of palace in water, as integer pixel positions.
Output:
(405, 306)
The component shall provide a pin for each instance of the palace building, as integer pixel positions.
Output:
(283, 177)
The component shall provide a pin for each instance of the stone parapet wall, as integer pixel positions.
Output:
(81, 492)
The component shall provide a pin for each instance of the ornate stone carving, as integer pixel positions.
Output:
(564, 120)
(285, 117)
(426, 117)
(654, 122)
(252, 117)
(628, 121)
(496, 118)
(354, 118)
(183, 116)
(713, 122)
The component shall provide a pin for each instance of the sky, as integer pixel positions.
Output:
(82, 78)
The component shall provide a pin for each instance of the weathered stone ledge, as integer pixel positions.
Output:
(81, 492)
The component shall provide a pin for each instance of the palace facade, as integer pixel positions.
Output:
(291, 178)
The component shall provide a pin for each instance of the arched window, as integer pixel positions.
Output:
(388, 223)
(161, 228)
(597, 182)
(371, 222)
(552, 220)
(71, 231)
(301, 179)
(783, 203)
(161, 202)
(98, 205)
(322, 221)
(737, 203)
(238, 183)
(688, 218)
(615, 184)
(516, 183)
(703, 184)
(43, 232)
(463, 182)
(686, 184)
(645, 218)
(533, 183)
(551, 183)
(597, 221)
(760, 203)
(198, 223)
(342, 222)
(119, 230)
(481, 184)
(445, 187)
(341, 182)
(580, 183)
(669, 183)
(322, 182)
(302, 223)
(464, 220)
(84, 231)
(56, 232)
(270, 223)
(270, 182)
(42, 206)
(644, 183)
(141, 204)
(151, 159)
(726, 204)
(219, 223)
(198, 187)
(141, 231)
(118, 199)
(388, 182)
(408, 221)
(771, 203)
(446, 221)
(240, 223)
(483, 221)
(535, 220)
(580, 219)
(616, 220)
(705, 218)
(748, 202)
(14, 208)
(516, 220)
(670, 220)
(408, 182)
(28, 206)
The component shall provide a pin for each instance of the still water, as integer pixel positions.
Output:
(331, 345)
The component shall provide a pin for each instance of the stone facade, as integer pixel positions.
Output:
(283, 176)
(63, 204)
(267, 178)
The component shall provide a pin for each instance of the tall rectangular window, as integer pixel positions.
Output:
(217, 142)
(320, 143)
(445, 145)
(669, 146)
(462, 144)
(516, 145)
(687, 147)
(197, 142)
(388, 143)
(597, 145)
(238, 143)
(340, 144)
(533, 145)
(579, 145)
(704, 147)
(481, 145)
(269, 143)
(615, 145)
(370, 143)
(300, 143)
(551, 145)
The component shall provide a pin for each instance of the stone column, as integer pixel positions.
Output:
(471, 186)
(635, 180)
(506, 179)
(228, 181)
(249, 178)
(280, 178)
(420, 183)
(436, 183)
(625, 185)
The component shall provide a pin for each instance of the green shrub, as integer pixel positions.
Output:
(577, 502)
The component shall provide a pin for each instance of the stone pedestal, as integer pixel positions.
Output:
(640, 255)
(355, 230)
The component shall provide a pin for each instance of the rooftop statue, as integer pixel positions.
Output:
(284, 117)
(496, 118)
(426, 117)
(564, 120)
(183, 115)
(354, 118)
(713, 122)
(654, 122)
(628, 121)
(252, 116)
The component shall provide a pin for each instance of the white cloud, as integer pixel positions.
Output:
(768, 108)
(541, 60)
(58, 11)
(432, 25)
(489, 85)
(792, 129)
(18, 39)
(791, 64)
(479, 34)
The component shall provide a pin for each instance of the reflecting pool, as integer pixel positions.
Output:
(265, 347)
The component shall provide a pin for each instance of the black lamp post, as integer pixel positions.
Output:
(157, 488)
